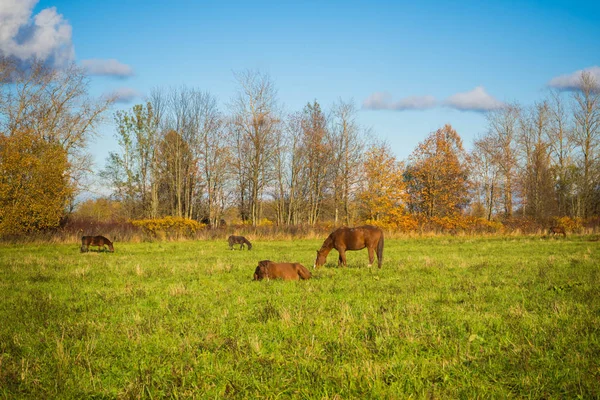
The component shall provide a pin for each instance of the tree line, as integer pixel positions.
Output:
(180, 154)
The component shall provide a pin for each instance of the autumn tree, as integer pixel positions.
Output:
(34, 184)
(437, 176)
(47, 118)
(53, 104)
(383, 195)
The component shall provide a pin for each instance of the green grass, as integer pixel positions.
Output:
(444, 318)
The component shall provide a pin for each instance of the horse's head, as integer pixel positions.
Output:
(261, 270)
(320, 260)
(110, 247)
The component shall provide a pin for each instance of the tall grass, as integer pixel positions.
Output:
(446, 317)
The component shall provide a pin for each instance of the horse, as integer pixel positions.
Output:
(238, 240)
(358, 238)
(100, 241)
(267, 269)
(554, 230)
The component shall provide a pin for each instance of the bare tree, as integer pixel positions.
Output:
(586, 138)
(254, 124)
(486, 174)
(502, 129)
(561, 150)
(317, 149)
(536, 175)
(348, 149)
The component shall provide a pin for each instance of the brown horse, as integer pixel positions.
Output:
(100, 241)
(239, 240)
(555, 230)
(287, 271)
(358, 238)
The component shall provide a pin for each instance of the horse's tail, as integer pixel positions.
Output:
(303, 272)
(380, 251)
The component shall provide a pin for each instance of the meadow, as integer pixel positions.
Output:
(446, 317)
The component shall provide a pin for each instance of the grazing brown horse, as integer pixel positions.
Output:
(555, 230)
(100, 241)
(238, 240)
(358, 238)
(287, 271)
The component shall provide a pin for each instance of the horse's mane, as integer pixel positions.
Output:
(328, 243)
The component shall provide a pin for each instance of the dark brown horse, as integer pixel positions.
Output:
(358, 238)
(556, 230)
(100, 241)
(287, 271)
(239, 240)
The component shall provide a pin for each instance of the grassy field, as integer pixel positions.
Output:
(444, 318)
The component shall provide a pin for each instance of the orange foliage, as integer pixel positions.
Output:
(384, 196)
(34, 185)
(437, 177)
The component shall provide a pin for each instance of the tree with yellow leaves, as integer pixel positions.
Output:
(34, 188)
(437, 176)
(383, 196)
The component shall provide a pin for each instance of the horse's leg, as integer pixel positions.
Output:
(343, 257)
(371, 255)
(340, 259)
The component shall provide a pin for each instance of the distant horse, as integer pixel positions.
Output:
(100, 241)
(239, 240)
(554, 230)
(358, 238)
(287, 271)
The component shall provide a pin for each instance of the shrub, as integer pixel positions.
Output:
(169, 227)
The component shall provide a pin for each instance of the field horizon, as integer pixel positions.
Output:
(445, 317)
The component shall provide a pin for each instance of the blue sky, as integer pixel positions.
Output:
(410, 67)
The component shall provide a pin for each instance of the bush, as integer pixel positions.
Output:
(169, 227)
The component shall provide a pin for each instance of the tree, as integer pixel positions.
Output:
(486, 174)
(54, 105)
(34, 185)
(536, 175)
(214, 156)
(318, 159)
(254, 124)
(437, 175)
(383, 195)
(133, 171)
(586, 137)
(560, 150)
(347, 146)
(502, 130)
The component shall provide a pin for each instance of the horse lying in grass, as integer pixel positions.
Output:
(100, 241)
(239, 240)
(287, 271)
(358, 238)
(557, 230)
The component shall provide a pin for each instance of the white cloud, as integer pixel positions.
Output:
(124, 94)
(383, 101)
(45, 36)
(110, 67)
(475, 100)
(572, 81)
